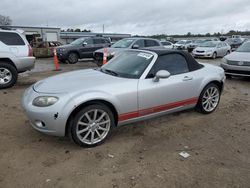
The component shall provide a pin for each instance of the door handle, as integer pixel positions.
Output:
(187, 78)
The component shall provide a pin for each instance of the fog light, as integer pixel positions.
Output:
(39, 124)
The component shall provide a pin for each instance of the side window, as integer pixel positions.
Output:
(89, 41)
(173, 63)
(98, 41)
(12, 39)
(140, 43)
(219, 45)
(149, 43)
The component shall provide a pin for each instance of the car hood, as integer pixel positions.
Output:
(238, 56)
(204, 48)
(88, 79)
(112, 50)
(66, 46)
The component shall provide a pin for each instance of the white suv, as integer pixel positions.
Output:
(16, 56)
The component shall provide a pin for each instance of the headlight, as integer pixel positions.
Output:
(44, 101)
(62, 49)
(224, 60)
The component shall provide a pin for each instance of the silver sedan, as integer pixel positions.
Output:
(212, 49)
(134, 86)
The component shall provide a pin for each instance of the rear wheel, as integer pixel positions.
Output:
(214, 56)
(73, 58)
(92, 125)
(8, 75)
(209, 99)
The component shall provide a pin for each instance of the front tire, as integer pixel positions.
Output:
(214, 56)
(92, 125)
(209, 99)
(73, 58)
(8, 75)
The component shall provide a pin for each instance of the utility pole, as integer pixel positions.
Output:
(103, 28)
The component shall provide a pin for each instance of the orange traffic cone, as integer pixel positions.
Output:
(56, 61)
(105, 55)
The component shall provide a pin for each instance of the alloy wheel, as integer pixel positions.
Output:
(210, 99)
(5, 76)
(93, 126)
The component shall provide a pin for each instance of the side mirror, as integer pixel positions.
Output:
(135, 46)
(161, 74)
(84, 44)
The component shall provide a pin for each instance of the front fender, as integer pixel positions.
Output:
(83, 97)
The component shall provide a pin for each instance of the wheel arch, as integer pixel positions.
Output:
(8, 60)
(87, 103)
(73, 51)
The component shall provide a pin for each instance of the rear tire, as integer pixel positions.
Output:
(209, 99)
(73, 58)
(92, 125)
(8, 75)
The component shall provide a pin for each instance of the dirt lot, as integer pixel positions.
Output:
(144, 154)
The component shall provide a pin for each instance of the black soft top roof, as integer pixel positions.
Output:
(192, 63)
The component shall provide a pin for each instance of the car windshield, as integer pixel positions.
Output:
(244, 47)
(181, 42)
(124, 43)
(78, 41)
(198, 41)
(129, 64)
(209, 44)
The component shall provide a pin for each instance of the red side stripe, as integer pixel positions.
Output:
(135, 114)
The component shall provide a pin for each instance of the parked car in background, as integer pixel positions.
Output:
(234, 42)
(212, 49)
(16, 56)
(195, 43)
(81, 48)
(238, 62)
(182, 44)
(135, 85)
(125, 44)
(167, 44)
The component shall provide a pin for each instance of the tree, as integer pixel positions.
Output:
(77, 30)
(5, 20)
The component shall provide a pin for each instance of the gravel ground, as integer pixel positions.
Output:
(144, 154)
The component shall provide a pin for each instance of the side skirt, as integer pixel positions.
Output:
(154, 115)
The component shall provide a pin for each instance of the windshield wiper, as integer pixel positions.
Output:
(109, 72)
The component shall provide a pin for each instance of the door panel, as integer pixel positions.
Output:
(173, 92)
(87, 50)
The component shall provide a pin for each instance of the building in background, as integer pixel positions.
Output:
(54, 34)
(68, 37)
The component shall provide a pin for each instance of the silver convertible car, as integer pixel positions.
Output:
(135, 85)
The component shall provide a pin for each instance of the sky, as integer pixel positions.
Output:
(137, 17)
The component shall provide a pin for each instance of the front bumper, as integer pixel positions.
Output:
(49, 120)
(62, 56)
(203, 54)
(235, 70)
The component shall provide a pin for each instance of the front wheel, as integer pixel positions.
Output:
(209, 99)
(92, 125)
(8, 75)
(73, 58)
(214, 56)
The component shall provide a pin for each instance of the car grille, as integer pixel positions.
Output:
(238, 72)
(239, 63)
(200, 51)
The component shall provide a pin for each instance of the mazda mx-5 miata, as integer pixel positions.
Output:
(135, 85)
